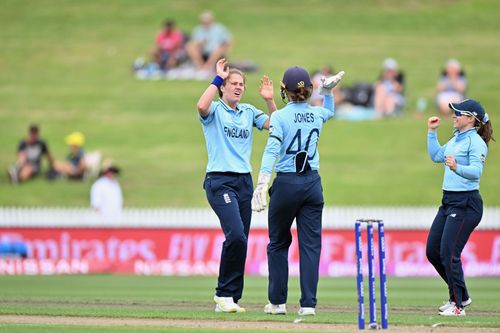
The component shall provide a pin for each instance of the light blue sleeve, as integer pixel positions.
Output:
(477, 156)
(259, 118)
(273, 145)
(435, 150)
(210, 117)
(328, 107)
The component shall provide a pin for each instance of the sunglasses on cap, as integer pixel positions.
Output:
(466, 113)
(463, 113)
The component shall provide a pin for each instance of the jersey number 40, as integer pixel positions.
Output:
(296, 143)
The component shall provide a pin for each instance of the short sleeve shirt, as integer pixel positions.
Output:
(228, 136)
(34, 151)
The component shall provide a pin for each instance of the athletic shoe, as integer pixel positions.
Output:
(239, 309)
(307, 312)
(226, 304)
(452, 312)
(451, 304)
(275, 309)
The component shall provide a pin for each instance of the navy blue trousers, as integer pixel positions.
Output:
(459, 214)
(230, 196)
(299, 197)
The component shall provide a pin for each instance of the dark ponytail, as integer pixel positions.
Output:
(485, 131)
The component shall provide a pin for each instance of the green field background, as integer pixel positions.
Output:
(411, 301)
(66, 66)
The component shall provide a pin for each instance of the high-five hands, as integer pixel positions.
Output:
(266, 90)
(328, 83)
(222, 68)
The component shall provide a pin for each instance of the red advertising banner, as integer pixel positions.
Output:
(197, 252)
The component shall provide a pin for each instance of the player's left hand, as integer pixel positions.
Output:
(259, 199)
(266, 90)
(451, 162)
(328, 83)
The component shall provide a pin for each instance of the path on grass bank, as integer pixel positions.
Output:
(219, 324)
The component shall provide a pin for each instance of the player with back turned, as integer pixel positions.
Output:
(461, 207)
(296, 192)
(227, 127)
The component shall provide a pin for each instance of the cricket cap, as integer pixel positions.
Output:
(472, 107)
(294, 78)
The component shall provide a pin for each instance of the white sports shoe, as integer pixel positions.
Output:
(275, 309)
(452, 312)
(451, 304)
(226, 304)
(307, 312)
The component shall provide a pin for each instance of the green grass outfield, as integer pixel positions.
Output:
(66, 65)
(412, 301)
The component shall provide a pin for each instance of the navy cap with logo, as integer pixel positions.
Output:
(470, 107)
(294, 78)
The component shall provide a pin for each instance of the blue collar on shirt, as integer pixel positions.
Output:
(227, 107)
(462, 135)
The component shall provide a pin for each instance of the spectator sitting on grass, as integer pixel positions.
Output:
(451, 87)
(169, 46)
(29, 157)
(74, 166)
(210, 42)
(389, 90)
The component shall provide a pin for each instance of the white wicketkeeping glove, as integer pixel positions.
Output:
(259, 199)
(328, 83)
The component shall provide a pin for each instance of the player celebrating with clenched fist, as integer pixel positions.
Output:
(296, 192)
(461, 207)
(227, 126)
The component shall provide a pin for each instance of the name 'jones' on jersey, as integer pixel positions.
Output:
(304, 118)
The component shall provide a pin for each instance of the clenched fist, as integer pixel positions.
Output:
(433, 123)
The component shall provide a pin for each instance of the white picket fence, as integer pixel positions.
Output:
(333, 217)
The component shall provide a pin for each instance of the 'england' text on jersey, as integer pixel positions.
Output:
(304, 118)
(239, 133)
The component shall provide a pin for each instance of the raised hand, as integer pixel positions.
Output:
(328, 83)
(266, 89)
(222, 68)
(433, 123)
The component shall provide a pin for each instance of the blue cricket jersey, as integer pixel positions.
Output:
(294, 128)
(469, 150)
(228, 135)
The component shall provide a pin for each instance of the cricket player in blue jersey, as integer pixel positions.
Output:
(296, 192)
(461, 206)
(227, 126)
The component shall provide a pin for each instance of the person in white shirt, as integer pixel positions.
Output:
(106, 195)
